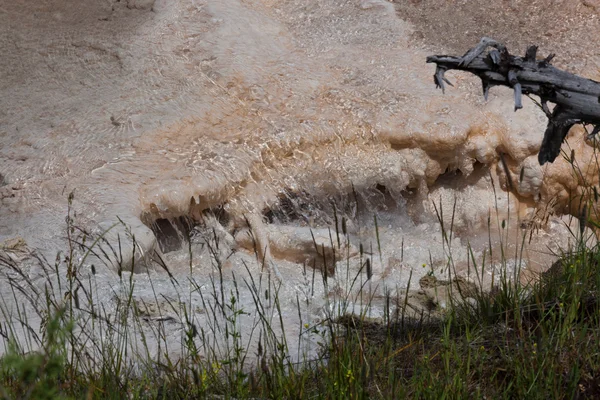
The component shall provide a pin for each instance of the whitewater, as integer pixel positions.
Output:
(244, 132)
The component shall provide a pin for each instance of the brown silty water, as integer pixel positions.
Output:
(252, 121)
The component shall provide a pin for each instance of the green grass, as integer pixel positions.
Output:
(536, 340)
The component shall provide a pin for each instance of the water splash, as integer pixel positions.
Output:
(284, 111)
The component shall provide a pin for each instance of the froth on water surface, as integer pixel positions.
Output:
(295, 135)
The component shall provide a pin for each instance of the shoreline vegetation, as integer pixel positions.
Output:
(539, 339)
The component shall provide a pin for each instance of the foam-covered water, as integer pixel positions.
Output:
(272, 112)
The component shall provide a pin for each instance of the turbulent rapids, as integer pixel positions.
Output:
(255, 134)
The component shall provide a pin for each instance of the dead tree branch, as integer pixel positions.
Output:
(576, 99)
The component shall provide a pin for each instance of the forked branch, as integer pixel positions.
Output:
(576, 99)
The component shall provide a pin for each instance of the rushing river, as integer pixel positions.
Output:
(245, 132)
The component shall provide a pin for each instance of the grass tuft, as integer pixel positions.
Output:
(64, 340)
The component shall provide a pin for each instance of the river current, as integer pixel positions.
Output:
(255, 134)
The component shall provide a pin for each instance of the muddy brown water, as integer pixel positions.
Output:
(262, 125)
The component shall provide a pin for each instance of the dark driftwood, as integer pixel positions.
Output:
(576, 99)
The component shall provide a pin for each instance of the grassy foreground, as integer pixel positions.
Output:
(534, 341)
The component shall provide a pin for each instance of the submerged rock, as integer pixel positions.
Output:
(315, 248)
